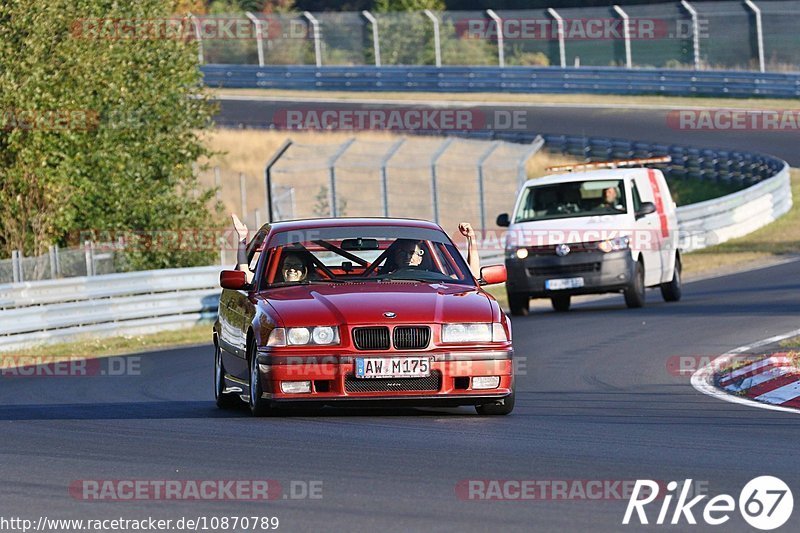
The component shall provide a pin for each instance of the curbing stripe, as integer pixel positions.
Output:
(782, 394)
(755, 369)
(703, 379)
(758, 379)
(771, 385)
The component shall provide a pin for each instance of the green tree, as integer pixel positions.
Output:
(110, 131)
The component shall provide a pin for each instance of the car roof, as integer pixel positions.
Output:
(340, 222)
(589, 175)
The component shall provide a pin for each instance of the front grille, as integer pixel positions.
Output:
(371, 338)
(411, 337)
(550, 249)
(430, 383)
(565, 269)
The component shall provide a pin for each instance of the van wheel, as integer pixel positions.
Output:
(634, 293)
(518, 303)
(561, 302)
(671, 291)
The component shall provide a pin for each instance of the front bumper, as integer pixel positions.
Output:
(601, 272)
(332, 379)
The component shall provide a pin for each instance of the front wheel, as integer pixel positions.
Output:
(500, 407)
(258, 405)
(518, 303)
(671, 291)
(634, 293)
(224, 400)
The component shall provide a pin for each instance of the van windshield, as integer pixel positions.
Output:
(572, 199)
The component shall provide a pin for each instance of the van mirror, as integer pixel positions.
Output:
(503, 221)
(645, 209)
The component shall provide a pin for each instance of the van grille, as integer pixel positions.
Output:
(564, 269)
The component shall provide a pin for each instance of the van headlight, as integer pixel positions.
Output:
(615, 245)
(319, 335)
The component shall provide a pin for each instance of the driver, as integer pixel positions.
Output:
(405, 253)
(610, 196)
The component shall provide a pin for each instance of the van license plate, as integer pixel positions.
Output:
(561, 284)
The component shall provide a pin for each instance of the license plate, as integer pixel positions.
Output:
(561, 284)
(393, 367)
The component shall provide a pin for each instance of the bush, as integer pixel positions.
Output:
(112, 133)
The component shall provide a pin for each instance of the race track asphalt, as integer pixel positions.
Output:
(597, 399)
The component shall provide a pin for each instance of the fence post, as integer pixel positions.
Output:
(243, 193)
(268, 174)
(58, 261)
(88, 255)
(16, 266)
(562, 52)
(437, 44)
(258, 218)
(434, 187)
(759, 33)
(199, 36)
(218, 183)
(259, 37)
(501, 56)
(695, 32)
(384, 175)
(481, 200)
(332, 166)
(376, 43)
(626, 34)
(51, 252)
(534, 147)
(315, 29)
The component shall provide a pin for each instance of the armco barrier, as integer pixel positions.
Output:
(598, 80)
(114, 304)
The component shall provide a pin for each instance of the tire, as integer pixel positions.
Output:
(561, 302)
(634, 293)
(672, 291)
(258, 405)
(224, 401)
(495, 408)
(518, 304)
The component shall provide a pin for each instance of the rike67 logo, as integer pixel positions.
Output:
(765, 503)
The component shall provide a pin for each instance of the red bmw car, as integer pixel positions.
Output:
(361, 311)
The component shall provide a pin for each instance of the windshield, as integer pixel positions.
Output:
(572, 199)
(363, 254)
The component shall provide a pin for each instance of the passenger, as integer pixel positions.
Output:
(294, 267)
(241, 252)
(473, 259)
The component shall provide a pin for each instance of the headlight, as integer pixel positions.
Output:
(322, 335)
(456, 333)
(614, 245)
(522, 253)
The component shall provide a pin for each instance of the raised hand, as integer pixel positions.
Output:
(240, 227)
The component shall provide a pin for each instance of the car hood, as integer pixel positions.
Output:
(366, 303)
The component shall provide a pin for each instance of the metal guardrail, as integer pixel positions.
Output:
(116, 304)
(597, 80)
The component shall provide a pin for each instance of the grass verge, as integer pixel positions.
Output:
(588, 99)
(127, 344)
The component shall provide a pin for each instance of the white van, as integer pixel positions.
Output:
(612, 230)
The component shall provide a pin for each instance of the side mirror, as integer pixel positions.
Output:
(493, 274)
(503, 221)
(233, 279)
(645, 209)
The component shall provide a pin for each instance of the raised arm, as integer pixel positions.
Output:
(473, 259)
(241, 250)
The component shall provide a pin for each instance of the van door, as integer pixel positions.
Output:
(647, 229)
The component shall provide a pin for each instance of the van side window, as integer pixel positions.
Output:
(637, 200)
